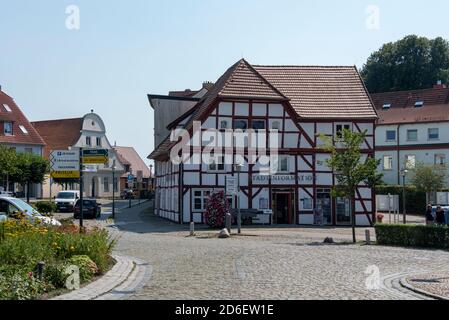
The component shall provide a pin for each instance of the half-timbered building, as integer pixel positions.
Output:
(301, 103)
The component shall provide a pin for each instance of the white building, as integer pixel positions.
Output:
(301, 103)
(413, 128)
(88, 132)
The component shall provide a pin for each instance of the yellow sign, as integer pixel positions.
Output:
(95, 160)
(65, 174)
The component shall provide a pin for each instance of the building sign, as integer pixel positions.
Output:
(100, 156)
(303, 178)
(231, 186)
(64, 164)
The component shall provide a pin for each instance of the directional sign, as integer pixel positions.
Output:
(64, 164)
(130, 177)
(100, 156)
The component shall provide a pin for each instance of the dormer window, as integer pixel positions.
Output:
(419, 104)
(23, 129)
(386, 106)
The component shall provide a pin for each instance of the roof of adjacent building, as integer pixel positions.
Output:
(134, 160)
(402, 109)
(18, 119)
(313, 92)
(59, 134)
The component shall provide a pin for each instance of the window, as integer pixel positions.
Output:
(434, 134)
(98, 141)
(7, 108)
(23, 129)
(391, 135)
(259, 124)
(340, 128)
(88, 141)
(412, 135)
(276, 125)
(106, 184)
(440, 159)
(388, 163)
(217, 164)
(224, 124)
(241, 124)
(410, 161)
(28, 150)
(419, 104)
(386, 106)
(200, 198)
(282, 165)
(7, 128)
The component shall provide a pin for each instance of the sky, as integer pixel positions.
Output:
(121, 51)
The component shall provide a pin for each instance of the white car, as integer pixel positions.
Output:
(11, 207)
(66, 200)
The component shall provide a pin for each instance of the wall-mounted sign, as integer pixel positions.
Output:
(100, 156)
(231, 186)
(64, 164)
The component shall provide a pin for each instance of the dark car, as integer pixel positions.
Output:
(128, 194)
(91, 209)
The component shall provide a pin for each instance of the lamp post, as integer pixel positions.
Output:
(238, 169)
(404, 175)
(113, 190)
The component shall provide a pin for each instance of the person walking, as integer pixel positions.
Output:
(429, 215)
(440, 216)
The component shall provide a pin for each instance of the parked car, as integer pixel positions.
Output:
(65, 200)
(7, 194)
(91, 209)
(13, 208)
(128, 194)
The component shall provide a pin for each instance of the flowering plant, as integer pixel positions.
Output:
(380, 217)
(216, 208)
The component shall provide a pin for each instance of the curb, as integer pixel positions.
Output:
(125, 279)
(405, 284)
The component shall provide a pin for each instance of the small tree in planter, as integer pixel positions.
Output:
(216, 208)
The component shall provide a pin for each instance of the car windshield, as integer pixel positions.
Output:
(88, 203)
(25, 207)
(66, 195)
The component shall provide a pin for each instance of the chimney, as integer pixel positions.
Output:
(439, 85)
(208, 85)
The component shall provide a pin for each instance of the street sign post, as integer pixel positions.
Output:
(64, 164)
(231, 186)
(95, 156)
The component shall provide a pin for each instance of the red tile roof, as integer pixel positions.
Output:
(402, 106)
(133, 158)
(18, 118)
(59, 134)
(322, 92)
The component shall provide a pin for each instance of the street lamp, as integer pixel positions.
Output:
(113, 190)
(404, 175)
(238, 169)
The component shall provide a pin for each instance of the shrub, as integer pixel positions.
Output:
(216, 208)
(45, 207)
(418, 236)
(415, 200)
(87, 267)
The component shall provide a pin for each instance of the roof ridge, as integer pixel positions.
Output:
(41, 121)
(303, 66)
(412, 90)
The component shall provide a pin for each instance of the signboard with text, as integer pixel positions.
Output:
(99, 156)
(64, 164)
(231, 186)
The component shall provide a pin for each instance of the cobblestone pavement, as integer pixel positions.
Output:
(433, 284)
(265, 263)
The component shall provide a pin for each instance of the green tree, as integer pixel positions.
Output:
(411, 63)
(8, 160)
(429, 179)
(31, 168)
(350, 166)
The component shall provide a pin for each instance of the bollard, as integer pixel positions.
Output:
(368, 237)
(40, 270)
(192, 229)
(228, 222)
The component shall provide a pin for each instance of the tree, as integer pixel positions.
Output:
(411, 63)
(31, 169)
(429, 179)
(8, 159)
(350, 167)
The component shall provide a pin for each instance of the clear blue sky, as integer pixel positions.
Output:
(126, 49)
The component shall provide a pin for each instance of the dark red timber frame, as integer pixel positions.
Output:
(253, 190)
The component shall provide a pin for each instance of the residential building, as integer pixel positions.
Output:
(413, 127)
(135, 166)
(88, 132)
(301, 103)
(18, 133)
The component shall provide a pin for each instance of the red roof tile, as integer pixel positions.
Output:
(59, 134)
(133, 158)
(18, 118)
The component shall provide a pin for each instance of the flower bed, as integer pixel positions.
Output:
(23, 246)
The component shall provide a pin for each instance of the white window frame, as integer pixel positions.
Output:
(217, 161)
(23, 129)
(410, 165)
(412, 130)
(280, 159)
(387, 159)
(11, 126)
(429, 133)
(386, 135)
(205, 194)
(338, 133)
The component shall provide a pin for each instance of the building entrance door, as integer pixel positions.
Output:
(283, 208)
(324, 203)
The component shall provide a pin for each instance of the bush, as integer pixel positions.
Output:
(418, 236)
(415, 200)
(216, 208)
(45, 207)
(88, 268)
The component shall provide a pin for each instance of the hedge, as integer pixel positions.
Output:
(45, 207)
(415, 201)
(418, 236)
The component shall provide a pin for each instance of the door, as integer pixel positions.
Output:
(343, 208)
(324, 203)
(283, 208)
